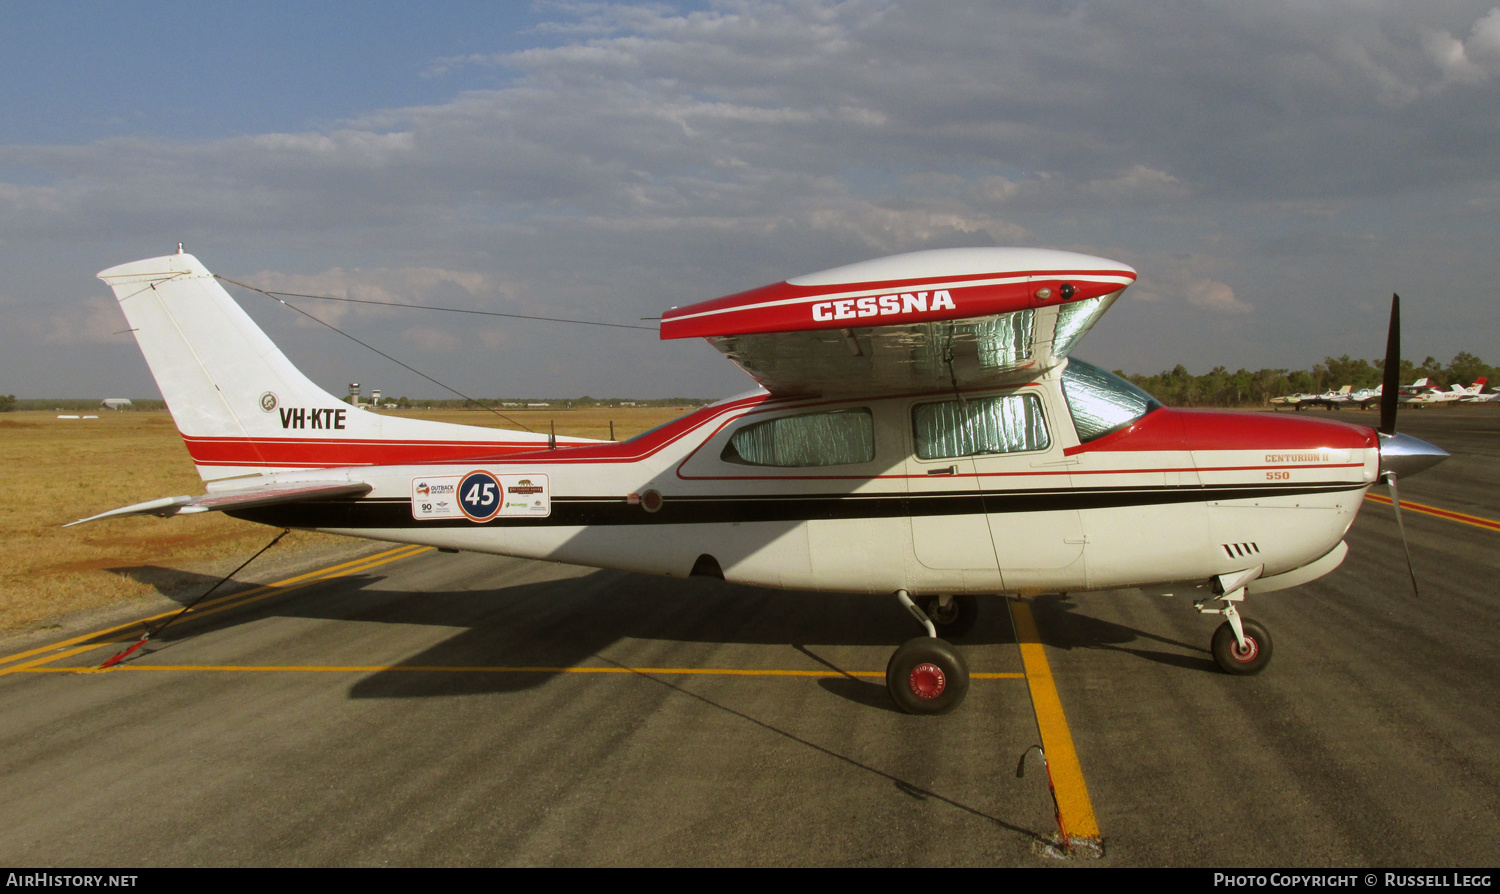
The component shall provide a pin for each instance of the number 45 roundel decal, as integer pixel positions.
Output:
(479, 496)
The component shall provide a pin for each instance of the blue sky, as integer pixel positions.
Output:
(1273, 171)
(85, 71)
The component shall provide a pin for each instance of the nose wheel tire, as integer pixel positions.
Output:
(1252, 659)
(953, 620)
(927, 676)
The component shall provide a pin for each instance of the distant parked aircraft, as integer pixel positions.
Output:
(1453, 394)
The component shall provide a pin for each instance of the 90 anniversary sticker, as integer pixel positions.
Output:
(480, 496)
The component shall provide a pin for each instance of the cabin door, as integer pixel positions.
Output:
(1005, 484)
(948, 528)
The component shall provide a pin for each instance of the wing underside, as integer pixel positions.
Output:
(235, 499)
(942, 318)
(995, 350)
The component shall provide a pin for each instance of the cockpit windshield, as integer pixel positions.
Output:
(1102, 402)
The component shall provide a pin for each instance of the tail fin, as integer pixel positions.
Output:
(240, 404)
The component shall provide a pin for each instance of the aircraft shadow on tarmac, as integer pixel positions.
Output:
(578, 618)
(1068, 629)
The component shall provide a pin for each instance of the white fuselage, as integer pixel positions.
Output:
(1166, 504)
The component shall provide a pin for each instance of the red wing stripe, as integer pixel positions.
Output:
(784, 307)
(812, 294)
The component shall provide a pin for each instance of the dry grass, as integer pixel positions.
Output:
(54, 471)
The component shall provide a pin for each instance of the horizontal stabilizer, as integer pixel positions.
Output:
(235, 499)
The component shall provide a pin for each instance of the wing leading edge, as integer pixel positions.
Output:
(966, 317)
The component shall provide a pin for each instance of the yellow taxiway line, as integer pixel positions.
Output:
(1408, 506)
(461, 669)
(1075, 811)
(59, 650)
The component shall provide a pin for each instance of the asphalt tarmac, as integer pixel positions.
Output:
(460, 710)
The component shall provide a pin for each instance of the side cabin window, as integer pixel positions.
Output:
(1102, 402)
(814, 439)
(1009, 423)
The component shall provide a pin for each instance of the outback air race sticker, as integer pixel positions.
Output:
(480, 496)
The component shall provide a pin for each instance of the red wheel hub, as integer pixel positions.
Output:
(1246, 654)
(927, 681)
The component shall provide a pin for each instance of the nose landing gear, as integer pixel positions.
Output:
(1240, 646)
(1246, 656)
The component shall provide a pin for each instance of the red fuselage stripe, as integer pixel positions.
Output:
(325, 453)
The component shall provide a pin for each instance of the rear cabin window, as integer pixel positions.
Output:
(1102, 402)
(1010, 423)
(815, 439)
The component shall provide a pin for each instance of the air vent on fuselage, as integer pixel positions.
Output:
(1240, 550)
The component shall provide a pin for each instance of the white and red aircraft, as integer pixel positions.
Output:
(1471, 394)
(919, 431)
(1455, 393)
(1476, 393)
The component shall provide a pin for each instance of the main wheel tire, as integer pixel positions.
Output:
(955, 619)
(927, 676)
(1243, 662)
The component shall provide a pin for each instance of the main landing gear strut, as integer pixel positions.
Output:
(1240, 646)
(927, 675)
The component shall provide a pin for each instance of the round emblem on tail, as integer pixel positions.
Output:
(268, 402)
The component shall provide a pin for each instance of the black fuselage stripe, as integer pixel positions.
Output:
(578, 511)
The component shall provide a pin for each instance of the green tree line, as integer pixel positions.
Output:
(1175, 387)
(1243, 388)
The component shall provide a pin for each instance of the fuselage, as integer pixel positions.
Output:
(1012, 490)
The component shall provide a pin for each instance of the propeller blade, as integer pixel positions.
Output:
(1390, 479)
(1390, 384)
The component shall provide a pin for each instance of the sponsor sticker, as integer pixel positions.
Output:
(480, 496)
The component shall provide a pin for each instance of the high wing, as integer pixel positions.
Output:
(247, 498)
(957, 317)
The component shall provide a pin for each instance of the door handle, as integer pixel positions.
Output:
(945, 471)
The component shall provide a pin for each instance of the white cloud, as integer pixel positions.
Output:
(1140, 183)
(432, 341)
(26, 200)
(413, 286)
(1185, 279)
(1215, 296)
(1472, 61)
(100, 323)
(637, 157)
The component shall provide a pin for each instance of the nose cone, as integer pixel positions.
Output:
(1405, 455)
